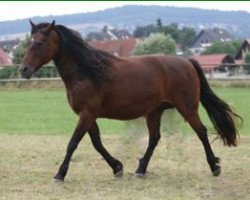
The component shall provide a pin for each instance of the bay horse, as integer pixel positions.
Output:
(101, 85)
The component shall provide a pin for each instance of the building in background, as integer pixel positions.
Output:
(108, 34)
(119, 47)
(9, 46)
(216, 62)
(4, 58)
(207, 37)
(245, 48)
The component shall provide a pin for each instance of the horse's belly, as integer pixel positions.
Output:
(123, 115)
(134, 99)
(127, 112)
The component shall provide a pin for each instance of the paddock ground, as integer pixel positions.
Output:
(36, 124)
(178, 169)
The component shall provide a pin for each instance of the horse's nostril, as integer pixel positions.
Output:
(25, 69)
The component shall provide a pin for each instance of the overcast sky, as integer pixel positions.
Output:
(19, 10)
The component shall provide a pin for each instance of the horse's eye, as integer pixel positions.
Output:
(39, 43)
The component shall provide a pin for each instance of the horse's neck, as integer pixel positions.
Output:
(68, 71)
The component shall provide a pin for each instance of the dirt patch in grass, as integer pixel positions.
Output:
(178, 169)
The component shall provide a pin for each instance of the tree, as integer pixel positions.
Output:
(247, 61)
(159, 23)
(157, 43)
(173, 31)
(19, 52)
(182, 36)
(230, 47)
(144, 31)
(187, 36)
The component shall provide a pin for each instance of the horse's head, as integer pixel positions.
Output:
(43, 48)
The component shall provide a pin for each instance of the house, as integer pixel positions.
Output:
(4, 58)
(119, 47)
(220, 62)
(108, 34)
(245, 47)
(206, 38)
(9, 45)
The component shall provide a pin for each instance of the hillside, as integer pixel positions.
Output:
(130, 16)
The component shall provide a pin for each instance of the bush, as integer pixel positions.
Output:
(8, 72)
(226, 47)
(12, 72)
(157, 43)
(47, 72)
(247, 61)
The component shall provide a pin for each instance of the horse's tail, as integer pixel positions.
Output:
(219, 112)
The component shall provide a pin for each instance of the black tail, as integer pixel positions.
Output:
(220, 113)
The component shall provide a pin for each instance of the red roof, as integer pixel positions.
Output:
(211, 61)
(121, 47)
(4, 58)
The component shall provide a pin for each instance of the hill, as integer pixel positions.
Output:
(130, 16)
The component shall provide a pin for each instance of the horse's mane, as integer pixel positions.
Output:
(91, 62)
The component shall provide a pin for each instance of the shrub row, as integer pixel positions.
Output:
(12, 72)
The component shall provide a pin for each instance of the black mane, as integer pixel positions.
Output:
(91, 62)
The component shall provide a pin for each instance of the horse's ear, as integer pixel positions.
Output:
(50, 27)
(33, 27)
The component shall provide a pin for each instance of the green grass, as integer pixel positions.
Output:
(47, 112)
(239, 100)
(41, 112)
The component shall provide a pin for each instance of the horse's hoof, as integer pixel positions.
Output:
(217, 171)
(118, 170)
(119, 174)
(140, 175)
(57, 181)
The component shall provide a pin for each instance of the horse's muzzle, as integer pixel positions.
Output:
(26, 71)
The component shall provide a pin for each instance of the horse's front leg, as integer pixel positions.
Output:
(85, 122)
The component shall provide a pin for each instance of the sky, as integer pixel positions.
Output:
(19, 10)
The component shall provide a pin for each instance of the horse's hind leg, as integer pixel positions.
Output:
(153, 122)
(201, 131)
(116, 165)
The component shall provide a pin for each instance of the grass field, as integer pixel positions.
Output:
(35, 126)
(47, 112)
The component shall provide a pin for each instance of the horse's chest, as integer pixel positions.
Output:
(80, 102)
(74, 103)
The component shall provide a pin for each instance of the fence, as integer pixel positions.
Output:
(11, 73)
(226, 71)
(49, 72)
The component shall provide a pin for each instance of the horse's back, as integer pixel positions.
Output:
(173, 73)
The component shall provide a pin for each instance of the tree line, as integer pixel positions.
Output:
(183, 36)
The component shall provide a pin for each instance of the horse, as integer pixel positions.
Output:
(101, 85)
